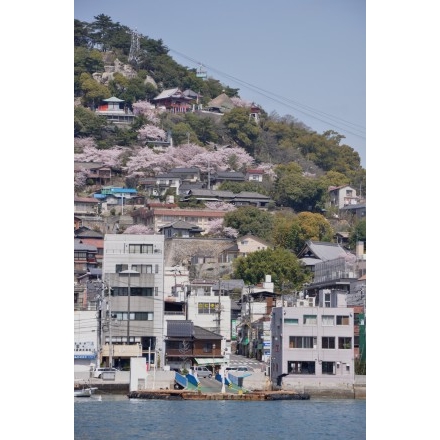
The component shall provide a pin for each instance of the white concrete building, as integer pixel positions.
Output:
(86, 330)
(312, 343)
(133, 268)
(208, 309)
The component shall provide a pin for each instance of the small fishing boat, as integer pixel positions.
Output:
(85, 392)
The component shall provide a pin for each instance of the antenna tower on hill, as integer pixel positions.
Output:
(134, 47)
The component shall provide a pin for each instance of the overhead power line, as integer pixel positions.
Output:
(335, 121)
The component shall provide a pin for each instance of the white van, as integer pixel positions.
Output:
(98, 371)
(202, 371)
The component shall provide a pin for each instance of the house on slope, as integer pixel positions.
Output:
(174, 101)
(341, 196)
(115, 110)
(250, 243)
(220, 104)
(180, 229)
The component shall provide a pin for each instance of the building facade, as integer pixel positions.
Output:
(312, 342)
(133, 321)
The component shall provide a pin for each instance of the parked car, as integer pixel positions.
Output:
(244, 368)
(239, 368)
(202, 371)
(98, 371)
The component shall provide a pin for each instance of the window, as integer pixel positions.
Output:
(207, 308)
(356, 341)
(328, 320)
(134, 291)
(327, 300)
(207, 348)
(291, 321)
(309, 320)
(134, 316)
(301, 367)
(302, 341)
(356, 319)
(80, 255)
(328, 368)
(344, 343)
(142, 268)
(342, 320)
(141, 291)
(328, 342)
(140, 248)
(121, 267)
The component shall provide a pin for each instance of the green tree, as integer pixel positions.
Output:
(242, 130)
(358, 233)
(110, 35)
(250, 220)
(283, 266)
(237, 187)
(87, 123)
(310, 226)
(93, 91)
(80, 33)
(297, 191)
(204, 127)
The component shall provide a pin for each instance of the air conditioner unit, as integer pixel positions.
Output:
(302, 303)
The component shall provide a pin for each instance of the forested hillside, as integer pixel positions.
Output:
(300, 164)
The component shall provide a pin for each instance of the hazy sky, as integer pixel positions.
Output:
(305, 58)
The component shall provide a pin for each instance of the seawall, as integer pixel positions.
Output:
(164, 380)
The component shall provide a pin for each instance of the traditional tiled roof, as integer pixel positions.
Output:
(113, 99)
(221, 101)
(85, 200)
(322, 250)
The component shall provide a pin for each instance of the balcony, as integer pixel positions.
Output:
(122, 350)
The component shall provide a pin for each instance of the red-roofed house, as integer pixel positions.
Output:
(254, 175)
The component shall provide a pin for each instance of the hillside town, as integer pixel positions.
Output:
(154, 262)
(165, 291)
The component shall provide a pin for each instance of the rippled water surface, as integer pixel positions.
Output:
(117, 417)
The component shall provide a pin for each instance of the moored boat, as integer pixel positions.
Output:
(85, 392)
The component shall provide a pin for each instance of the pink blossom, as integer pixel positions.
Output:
(138, 229)
(151, 132)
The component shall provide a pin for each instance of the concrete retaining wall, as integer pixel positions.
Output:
(257, 381)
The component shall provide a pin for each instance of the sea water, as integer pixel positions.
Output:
(117, 417)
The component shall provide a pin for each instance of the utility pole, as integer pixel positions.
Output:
(110, 347)
(219, 305)
(250, 321)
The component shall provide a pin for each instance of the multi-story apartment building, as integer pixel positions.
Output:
(312, 342)
(133, 321)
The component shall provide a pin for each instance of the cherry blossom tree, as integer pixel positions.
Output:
(151, 132)
(111, 157)
(80, 179)
(144, 108)
(138, 230)
(215, 228)
(80, 143)
(238, 102)
(220, 206)
(144, 160)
